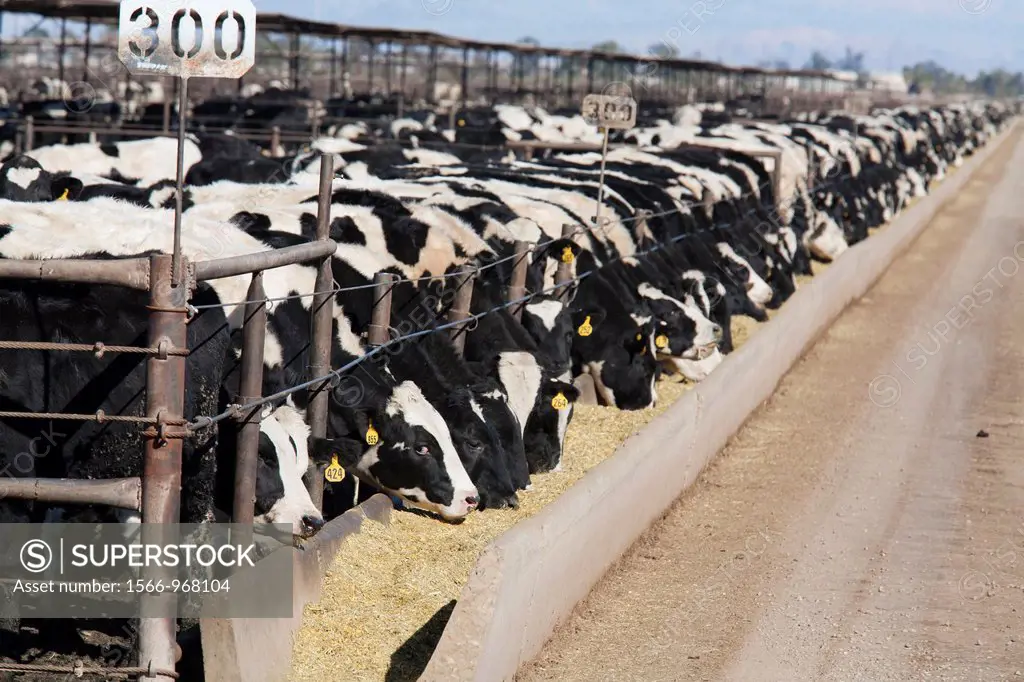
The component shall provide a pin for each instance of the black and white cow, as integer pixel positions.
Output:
(38, 381)
(412, 454)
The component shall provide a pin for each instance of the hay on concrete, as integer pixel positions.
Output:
(387, 597)
(391, 580)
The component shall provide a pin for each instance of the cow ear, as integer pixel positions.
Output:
(554, 387)
(580, 315)
(65, 188)
(562, 250)
(324, 450)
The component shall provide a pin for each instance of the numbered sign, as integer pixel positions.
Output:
(187, 38)
(609, 111)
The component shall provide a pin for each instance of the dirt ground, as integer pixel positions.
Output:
(868, 522)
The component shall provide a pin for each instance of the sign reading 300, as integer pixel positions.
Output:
(187, 38)
(609, 111)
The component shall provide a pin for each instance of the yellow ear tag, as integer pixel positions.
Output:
(63, 197)
(585, 329)
(462, 124)
(334, 473)
(372, 437)
(639, 337)
(567, 255)
(661, 341)
(560, 402)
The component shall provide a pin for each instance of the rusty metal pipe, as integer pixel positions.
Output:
(250, 389)
(460, 309)
(264, 260)
(132, 273)
(380, 319)
(322, 327)
(517, 285)
(123, 493)
(161, 477)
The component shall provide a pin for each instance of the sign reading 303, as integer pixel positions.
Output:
(187, 38)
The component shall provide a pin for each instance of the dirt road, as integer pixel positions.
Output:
(868, 522)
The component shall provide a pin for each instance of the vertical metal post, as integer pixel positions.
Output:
(401, 78)
(549, 74)
(536, 77)
(517, 286)
(321, 333)
(275, 140)
(88, 49)
(564, 272)
(777, 180)
(334, 68)
(369, 65)
(380, 320)
(344, 60)
(812, 165)
(460, 308)
(387, 67)
(161, 476)
(294, 60)
(492, 77)
(250, 389)
(432, 76)
(600, 180)
(180, 177)
(167, 103)
(63, 47)
(572, 75)
(30, 133)
(520, 67)
(465, 75)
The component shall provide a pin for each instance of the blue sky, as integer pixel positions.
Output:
(963, 35)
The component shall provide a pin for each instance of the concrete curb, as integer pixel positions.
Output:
(529, 579)
(251, 649)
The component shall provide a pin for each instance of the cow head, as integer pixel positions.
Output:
(477, 433)
(681, 328)
(23, 179)
(405, 448)
(552, 414)
(281, 496)
(748, 292)
(283, 456)
(620, 356)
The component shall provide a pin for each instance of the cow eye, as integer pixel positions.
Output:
(423, 450)
(474, 445)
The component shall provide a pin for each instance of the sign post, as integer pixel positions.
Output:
(606, 112)
(183, 39)
(186, 39)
